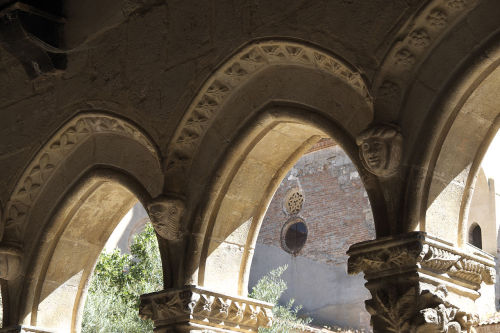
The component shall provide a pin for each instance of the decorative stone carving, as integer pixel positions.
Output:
(380, 149)
(193, 306)
(437, 314)
(238, 70)
(420, 38)
(166, 214)
(404, 58)
(388, 90)
(411, 48)
(294, 200)
(10, 263)
(437, 19)
(52, 155)
(411, 277)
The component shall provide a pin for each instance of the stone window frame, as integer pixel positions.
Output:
(288, 224)
(476, 235)
(293, 201)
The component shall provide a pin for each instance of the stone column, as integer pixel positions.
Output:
(194, 309)
(419, 283)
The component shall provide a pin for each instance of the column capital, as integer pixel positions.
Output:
(192, 308)
(166, 214)
(420, 283)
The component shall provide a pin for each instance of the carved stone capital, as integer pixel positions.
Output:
(166, 214)
(380, 149)
(192, 308)
(420, 284)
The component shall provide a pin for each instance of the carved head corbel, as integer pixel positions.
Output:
(166, 214)
(10, 262)
(380, 149)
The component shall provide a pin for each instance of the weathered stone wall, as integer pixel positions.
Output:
(336, 208)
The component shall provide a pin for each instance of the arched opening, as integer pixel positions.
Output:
(258, 163)
(449, 175)
(252, 120)
(334, 209)
(294, 235)
(128, 266)
(475, 236)
(73, 195)
(458, 136)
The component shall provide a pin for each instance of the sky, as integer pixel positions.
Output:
(491, 161)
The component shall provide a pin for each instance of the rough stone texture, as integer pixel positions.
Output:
(430, 67)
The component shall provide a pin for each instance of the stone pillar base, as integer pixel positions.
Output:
(23, 329)
(194, 309)
(420, 284)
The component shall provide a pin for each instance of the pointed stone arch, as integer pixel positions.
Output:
(269, 92)
(234, 74)
(64, 207)
(440, 189)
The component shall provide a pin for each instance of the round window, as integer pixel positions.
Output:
(294, 200)
(294, 235)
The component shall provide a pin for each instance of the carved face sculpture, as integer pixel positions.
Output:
(375, 153)
(380, 149)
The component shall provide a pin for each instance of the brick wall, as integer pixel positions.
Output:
(336, 207)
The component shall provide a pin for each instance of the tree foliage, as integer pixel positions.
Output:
(119, 279)
(269, 289)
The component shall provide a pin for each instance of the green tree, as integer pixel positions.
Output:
(119, 279)
(269, 289)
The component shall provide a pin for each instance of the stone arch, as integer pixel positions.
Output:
(415, 42)
(475, 236)
(243, 188)
(240, 69)
(65, 206)
(459, 134)
(265, 86)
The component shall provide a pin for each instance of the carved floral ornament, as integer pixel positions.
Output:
(410, 276)
(238, 70)
(413, 310)
(294, 200)
(52, 156)
(380, 149)
(428, 26)
(204, 307)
